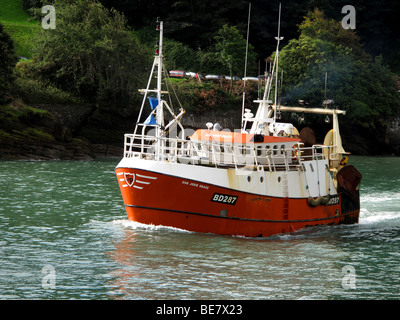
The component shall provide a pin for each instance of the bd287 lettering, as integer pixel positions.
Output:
(224, 198)
(333, 200)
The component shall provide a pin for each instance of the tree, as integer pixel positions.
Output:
(30, 4)
(91, 53)
(305, 62)
(180, 56)
(7, 63)
(317, 26)
(373, 94)
(360, 85)
(231, 49)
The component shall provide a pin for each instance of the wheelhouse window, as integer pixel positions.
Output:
(259, 151)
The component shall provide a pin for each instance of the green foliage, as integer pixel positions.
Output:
(38, 91)
(202, 96)
(19, 25)
(231, 49)
(317, 26)
(373, 94)
(191, 22)
(179, 56)
(196, 22)
(305, 62)
(360, 85)
(21, 122)
(226, 55)
(210, 63)
(7, 63)
(30, 4)
(91, 53)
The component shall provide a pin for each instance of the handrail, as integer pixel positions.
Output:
(228, 155)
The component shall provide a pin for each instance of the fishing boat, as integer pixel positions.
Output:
(262, 179)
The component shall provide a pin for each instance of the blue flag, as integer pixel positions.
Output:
(153, 102)
(150, 120)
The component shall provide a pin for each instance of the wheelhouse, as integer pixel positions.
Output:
(242, 148)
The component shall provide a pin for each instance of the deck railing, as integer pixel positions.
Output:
(240, 156)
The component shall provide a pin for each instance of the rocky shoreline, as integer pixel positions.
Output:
(52, 132)
(81, 132)
(40, 149)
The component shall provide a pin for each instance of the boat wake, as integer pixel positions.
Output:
(380, 208)
(148, 227)
(367, 217)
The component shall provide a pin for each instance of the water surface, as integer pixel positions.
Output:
(69, 216)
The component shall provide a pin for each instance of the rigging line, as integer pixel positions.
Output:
(173, 89)
(167, 78)
(245, 64)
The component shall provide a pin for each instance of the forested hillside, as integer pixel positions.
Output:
(100, 53)
(195, 22)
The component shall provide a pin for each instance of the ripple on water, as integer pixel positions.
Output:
(70, 215)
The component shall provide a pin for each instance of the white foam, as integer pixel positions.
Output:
(379, 197)
(379, 207)
(142, 226)
(367, 217)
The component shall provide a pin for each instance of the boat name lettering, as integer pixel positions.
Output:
(224, 198)
(194, 184)
(215, 135)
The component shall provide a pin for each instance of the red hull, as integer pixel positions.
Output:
(159, 199)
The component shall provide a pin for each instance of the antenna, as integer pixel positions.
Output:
(160, 115)
(278, 38)
(245, 64)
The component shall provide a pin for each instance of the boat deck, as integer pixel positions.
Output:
(276, 156)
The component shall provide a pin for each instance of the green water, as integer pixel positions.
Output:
(68, 217)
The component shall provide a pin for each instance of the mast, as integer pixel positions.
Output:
(264, 112)
(156, 118)
(245, 66)
(158, 107)
(278, 38)
(159, 62)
